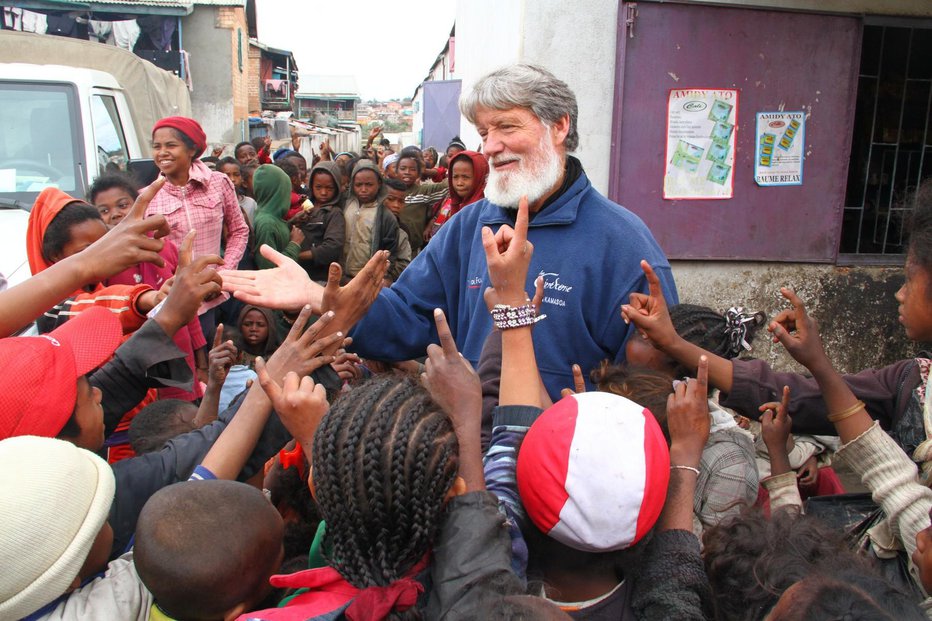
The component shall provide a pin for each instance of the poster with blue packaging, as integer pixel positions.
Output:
(701, 128)
(780, 148)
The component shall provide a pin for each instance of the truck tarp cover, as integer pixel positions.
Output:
(152, 93)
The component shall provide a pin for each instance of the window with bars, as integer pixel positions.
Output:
(891, 148)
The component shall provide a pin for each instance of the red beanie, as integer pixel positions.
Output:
(189, 127)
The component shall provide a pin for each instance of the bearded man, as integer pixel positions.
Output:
(586, 248)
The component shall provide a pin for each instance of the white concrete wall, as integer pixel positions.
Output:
(488, 35)
(211, 69)
(577, 44)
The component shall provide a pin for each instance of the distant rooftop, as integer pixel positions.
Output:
(342, 86)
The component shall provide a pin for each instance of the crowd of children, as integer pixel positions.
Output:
(169, 452)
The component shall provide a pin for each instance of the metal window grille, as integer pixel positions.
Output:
(891, 148)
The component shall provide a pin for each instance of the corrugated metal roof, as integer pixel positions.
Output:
(142, 7)
(241, 3)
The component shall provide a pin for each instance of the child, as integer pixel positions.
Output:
(466, 178)
(113, 195)
(273, 188)
(258, 333)
(385, 464)
(159, 422)
(432, 170)
(323, 225)
(248, 171)
(370, 227)
(245, 153)
(198, 563)
(420, 195)
(728, 479)
(394, 200)
(110, 194)
(53, 397)
(298, 196)
(198, 198)
(232, 169)
(195, 197)
(55, 533)
(61, 226)
(263, 147)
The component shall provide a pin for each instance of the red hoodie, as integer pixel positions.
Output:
(454, 203)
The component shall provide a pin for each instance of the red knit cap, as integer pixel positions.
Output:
(189, 127)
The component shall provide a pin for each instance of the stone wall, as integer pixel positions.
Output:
(854, 306)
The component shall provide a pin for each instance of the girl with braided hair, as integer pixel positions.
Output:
(409, 531)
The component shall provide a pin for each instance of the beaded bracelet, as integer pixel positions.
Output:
(690, 468)
(854, 409)
(506, 317)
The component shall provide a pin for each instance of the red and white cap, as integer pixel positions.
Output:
(593, 472)
(38, 389)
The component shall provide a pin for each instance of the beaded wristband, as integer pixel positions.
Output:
(854, 409)
(506, 317)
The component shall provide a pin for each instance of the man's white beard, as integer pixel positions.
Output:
(536, 175)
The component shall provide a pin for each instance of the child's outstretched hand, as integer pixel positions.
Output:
(508, 268)
(448, 376)
(649, 313)
(128, 243)
(455, 386)
(303, 350)
(805, 345)
(300, 403)
(220, 358)
(579, 384)
(194, 281)
(776, 424)
(688, 418)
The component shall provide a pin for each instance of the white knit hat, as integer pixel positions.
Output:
(55, 498)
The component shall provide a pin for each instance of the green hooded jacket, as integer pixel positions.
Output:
(272, 189)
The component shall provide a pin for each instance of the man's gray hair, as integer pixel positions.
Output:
(525, 86)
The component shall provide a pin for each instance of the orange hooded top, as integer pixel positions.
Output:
(121, 299)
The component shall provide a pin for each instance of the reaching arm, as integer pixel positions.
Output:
(649, 315)
(454, 385)
(125, 245)
(508, 272)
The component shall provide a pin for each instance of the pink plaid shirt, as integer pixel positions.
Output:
(205, 203)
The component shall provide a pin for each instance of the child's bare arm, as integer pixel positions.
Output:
(650, 316)
(689, 423)
(221, 357)
(508, 272)
(455, 386)
(776, 425)
(122, 247)
(806, 348)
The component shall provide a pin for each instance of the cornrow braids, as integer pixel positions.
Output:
(724, 335)
(385, 457)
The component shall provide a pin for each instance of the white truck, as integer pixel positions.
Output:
(69, 111)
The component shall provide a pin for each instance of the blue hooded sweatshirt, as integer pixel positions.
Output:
(587, 248)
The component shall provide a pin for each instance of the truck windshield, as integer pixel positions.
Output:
(38, 138)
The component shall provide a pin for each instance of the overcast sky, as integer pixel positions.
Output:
(389, 45)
